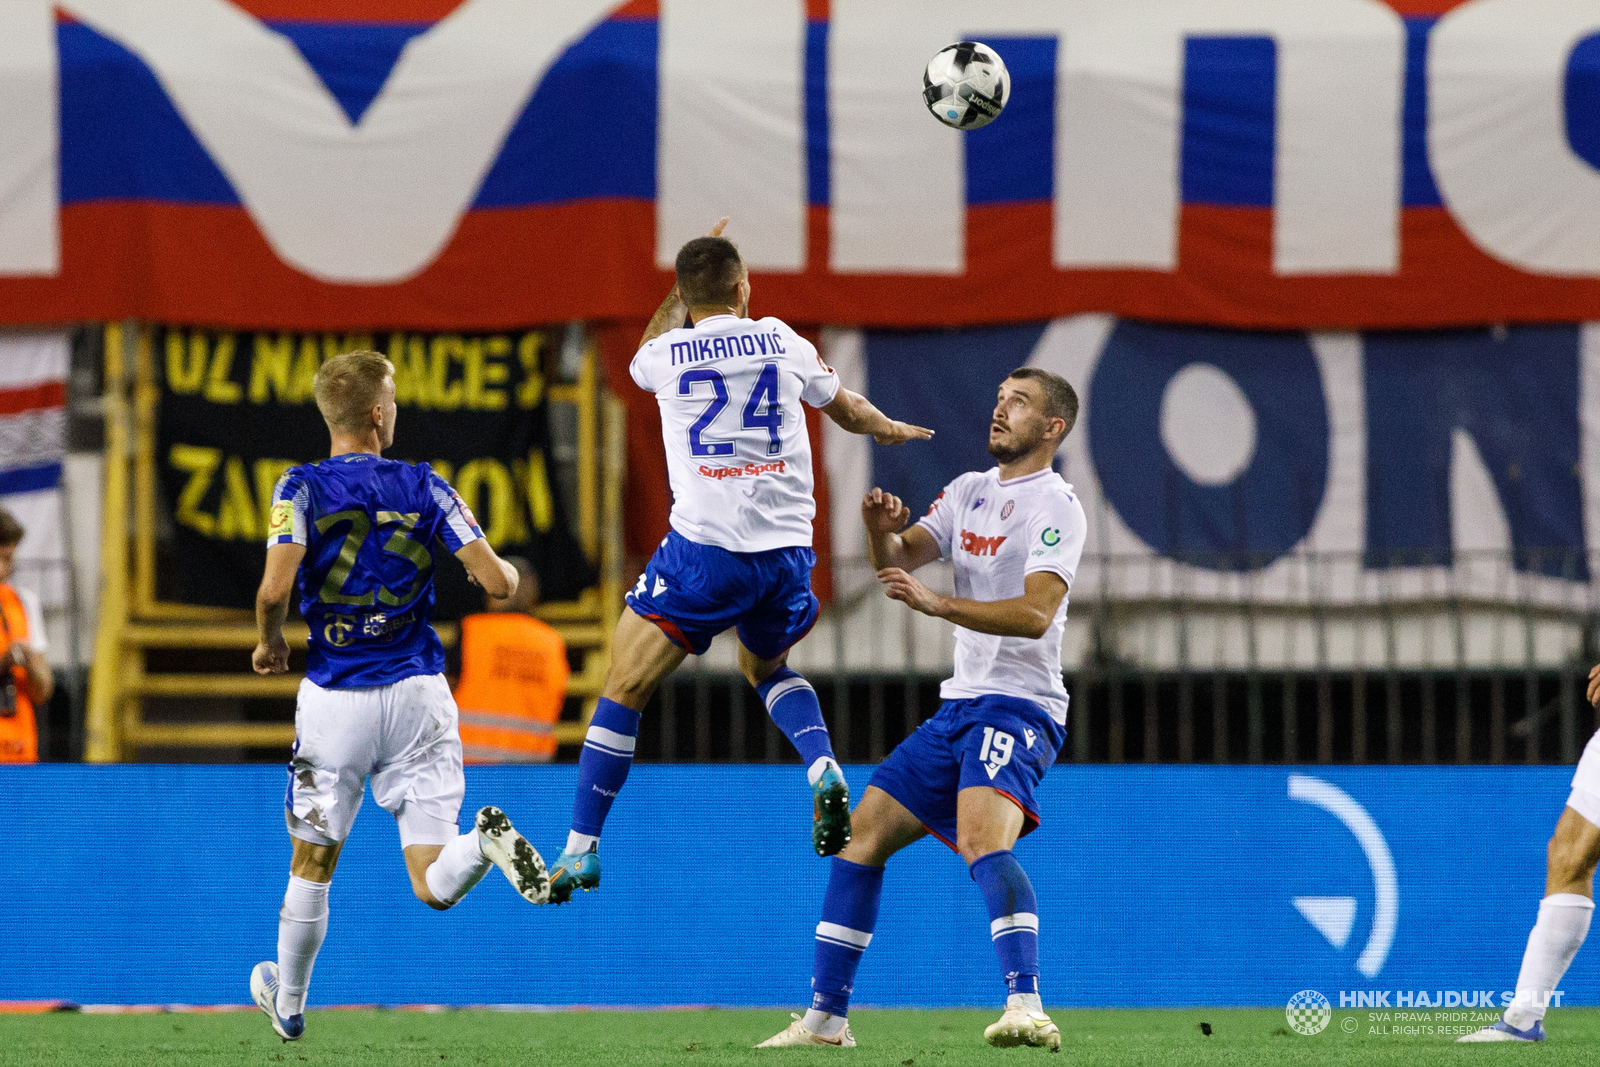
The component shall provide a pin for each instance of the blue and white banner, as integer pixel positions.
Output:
(1157, 885)
(1288, 467)
(33, 419)
(351, 164)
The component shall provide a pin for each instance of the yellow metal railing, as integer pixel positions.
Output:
(134, 620)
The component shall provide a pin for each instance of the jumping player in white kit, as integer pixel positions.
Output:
(1568, 905)
(358, 534)
(1014, 533)
(739, 553)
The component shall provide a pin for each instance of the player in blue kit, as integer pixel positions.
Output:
(739, 553)
(357, 534)
(1014, 534)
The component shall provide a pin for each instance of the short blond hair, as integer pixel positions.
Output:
(348, 386)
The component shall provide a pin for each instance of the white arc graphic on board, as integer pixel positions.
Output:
(1333, 917)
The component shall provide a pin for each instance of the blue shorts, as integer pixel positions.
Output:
(1003, 742)
(694, 592)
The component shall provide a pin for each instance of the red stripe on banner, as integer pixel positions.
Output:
(209, 265)
(1423, 8)
(349, 10)
(33, 398)
(638, 9)
(594, 260)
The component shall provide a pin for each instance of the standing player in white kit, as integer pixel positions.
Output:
(1562, 923)
(1015, 533)
(739, 553)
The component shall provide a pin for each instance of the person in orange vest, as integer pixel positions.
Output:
(513, 678)
(26, 681)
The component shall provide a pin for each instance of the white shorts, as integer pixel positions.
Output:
(405, 736)
(1585, 798)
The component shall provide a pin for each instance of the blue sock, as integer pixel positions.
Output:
(793, 705)
(849, 912)
(603, 764)
(1013, 918)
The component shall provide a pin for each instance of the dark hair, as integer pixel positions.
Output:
(709, 272)
(1060, 399)
(11, 530)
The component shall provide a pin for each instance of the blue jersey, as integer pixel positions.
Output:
(371, 528)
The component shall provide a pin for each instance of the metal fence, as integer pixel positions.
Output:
(1479, 657)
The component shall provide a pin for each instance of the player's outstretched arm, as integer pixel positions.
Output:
(673, 312)
(856, 414)
(884, 516)
(486, 569)
(1028, 615)
(272, 607)
(668, 317)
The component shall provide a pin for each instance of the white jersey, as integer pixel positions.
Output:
(997, 533)
(738, 456)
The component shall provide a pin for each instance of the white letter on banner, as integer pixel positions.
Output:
(373, 203)
(1497, 132)
(898, 198)
(1336, 179)
(30, 206)
(731, 135)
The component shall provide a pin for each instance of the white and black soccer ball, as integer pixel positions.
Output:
(966, 85)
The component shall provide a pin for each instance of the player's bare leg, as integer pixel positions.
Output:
(988, 824)
(1572, 856)
(882, 827)
(418, 859)
(792, 704)
(279, 987)
(442, 874)
(641, 656)
(1563, 923)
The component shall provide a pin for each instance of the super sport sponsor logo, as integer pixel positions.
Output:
(749, 470)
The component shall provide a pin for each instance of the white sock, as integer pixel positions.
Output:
(1025, 1001)
(814, 774)
(1557, 935)
(459, 867)
(577, 842)
(302, 924)
(822, 1024)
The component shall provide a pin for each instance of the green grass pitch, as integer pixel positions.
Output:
(714, 1038)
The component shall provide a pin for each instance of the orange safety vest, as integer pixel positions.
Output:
(513, 682)
(19, 734)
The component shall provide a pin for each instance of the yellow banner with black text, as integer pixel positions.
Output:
(237, 410)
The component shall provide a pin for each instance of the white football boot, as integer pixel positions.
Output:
(519, 861)
(797, 1034)
(264, 991)
(1019, 1026)
(1504, 1031)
